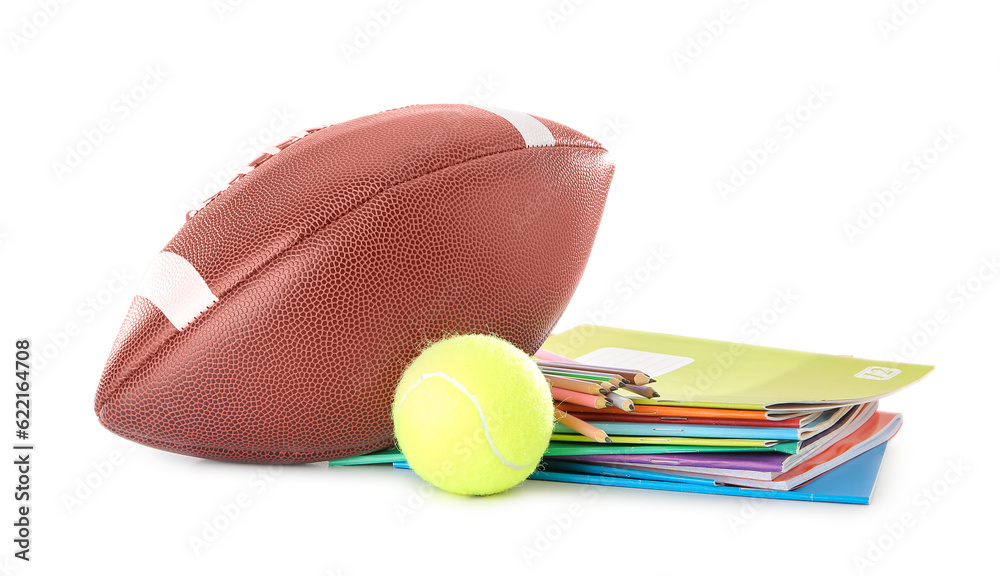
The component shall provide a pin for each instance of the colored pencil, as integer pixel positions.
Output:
(583, 375)
(588, 430)
(576, 373)
(552, 356)
(612, 380)
(609, 386)
(620, 402)
(646, 391)
(632, 375)
(579, 398)
(578, 385)
(697, 412)
(611, 415)
(774, 445)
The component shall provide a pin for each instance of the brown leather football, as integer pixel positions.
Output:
(274, 326)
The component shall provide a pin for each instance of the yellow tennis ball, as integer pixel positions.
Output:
(473, 415)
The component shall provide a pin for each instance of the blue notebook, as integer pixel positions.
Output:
(850, 483)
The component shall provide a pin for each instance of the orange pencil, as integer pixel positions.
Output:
(579, 398)
(588, 430)
(577, 385)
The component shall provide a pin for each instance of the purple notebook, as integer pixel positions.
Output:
(754, 461)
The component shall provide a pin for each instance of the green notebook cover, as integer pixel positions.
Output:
(718, 374)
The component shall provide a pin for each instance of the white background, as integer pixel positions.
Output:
(227, 82)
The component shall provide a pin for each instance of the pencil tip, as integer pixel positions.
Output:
(607, 440)
(608, 403)
(656, 394)
(652, 379)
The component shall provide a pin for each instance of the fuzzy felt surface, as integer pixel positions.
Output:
(473, 415)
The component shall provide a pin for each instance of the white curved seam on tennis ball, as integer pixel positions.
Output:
(482, 417)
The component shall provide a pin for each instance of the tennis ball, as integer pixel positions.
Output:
(473, 415)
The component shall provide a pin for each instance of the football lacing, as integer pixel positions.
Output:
(267, 153)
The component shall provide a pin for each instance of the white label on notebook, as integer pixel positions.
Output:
(649, 362)
(877, 373)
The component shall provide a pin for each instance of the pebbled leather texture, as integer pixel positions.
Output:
(335, 262)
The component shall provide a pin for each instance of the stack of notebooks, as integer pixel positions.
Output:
(660, 412)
